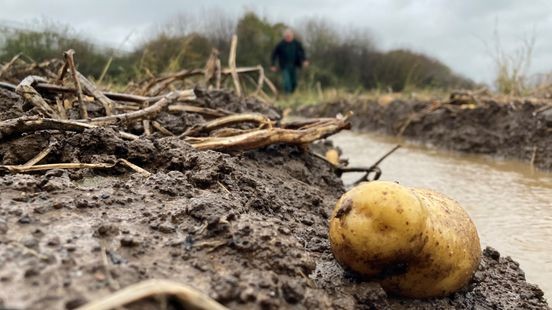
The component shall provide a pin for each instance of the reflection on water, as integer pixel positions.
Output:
(510, 202)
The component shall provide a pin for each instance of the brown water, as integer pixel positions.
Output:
(510, 202)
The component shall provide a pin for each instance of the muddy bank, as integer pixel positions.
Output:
(247, 228)
(516, 128)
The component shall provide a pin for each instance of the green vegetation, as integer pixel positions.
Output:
(347, 60)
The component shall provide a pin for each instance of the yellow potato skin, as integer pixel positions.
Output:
(437, 263)
(332, 155)
(371, 233)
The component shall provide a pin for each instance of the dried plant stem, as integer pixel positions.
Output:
(161, 129)
(90, 88)
(264, 137)
(17, 126)
(27, 91)
(69, 59)
(148, 112)
(198, 110)
(227, 121)
(232, 64)
(39, 156)
(23, 168)
(189, 297)
(9, 64)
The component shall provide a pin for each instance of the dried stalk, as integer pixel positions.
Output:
(228, 132)
(301, 123)
(24, 168)
(232, 65)
(198, 110)
(147, 127)
(227, 121)
(70, 60)
(260, 80)
(218, 75)
(264, 137)
(145, 113)
(271, 86)
(146, 122)
(61, 73)
(61, 109)
(27, 91)
(17, 126)
(91, 89)
(210, 71)
(188, 297)
(161, 129)
(39, 156)
(156, 86)
(9, 64)
(107, 269)
(165, 82)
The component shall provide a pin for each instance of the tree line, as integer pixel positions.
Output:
(339, 58)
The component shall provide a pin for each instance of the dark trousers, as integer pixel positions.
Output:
(289, 75)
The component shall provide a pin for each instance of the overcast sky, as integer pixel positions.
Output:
(453, 31)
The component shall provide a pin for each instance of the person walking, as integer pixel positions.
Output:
(290, 55)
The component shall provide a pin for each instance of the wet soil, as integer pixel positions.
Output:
(514, 129)
(248, 229)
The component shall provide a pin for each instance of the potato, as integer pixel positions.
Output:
(416, 243)
(332, 155)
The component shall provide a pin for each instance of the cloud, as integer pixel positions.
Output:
(454, 31)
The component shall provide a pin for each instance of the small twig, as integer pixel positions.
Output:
(147, 127)
(271, 86)
(260, 80)
(232, 65)
(5, 67)
(112, 284)
(374, 168)
(61, 109)
(161, 129)
(210, 70)
(227, 121)
(91, 89)
(159, 84)
(134, 167)
(23, 168)
(224, 188)
(189, 297)
(199, 110)
(62, 72)
(218, 74)
(104, 71)
(146, 122)
(148, 112)
(25, 124)
(39, 156)
(69, 58)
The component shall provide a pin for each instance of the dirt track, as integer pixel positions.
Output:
(248, 229)
(516, 129)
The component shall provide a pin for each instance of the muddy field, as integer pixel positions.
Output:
(248, 228)
(513, 128)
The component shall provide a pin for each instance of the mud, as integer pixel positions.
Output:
(248, 229)
(511, 129)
